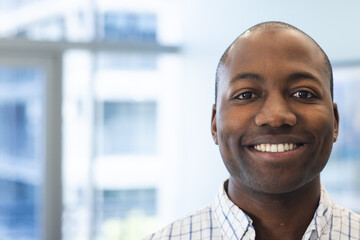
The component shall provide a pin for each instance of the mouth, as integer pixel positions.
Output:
(273, 148)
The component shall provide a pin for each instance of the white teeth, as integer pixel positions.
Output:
(286, 147)
(263, 148)
(282, 147)
(267, 148)
(273, 148)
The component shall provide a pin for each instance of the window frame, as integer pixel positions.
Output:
(51, 63)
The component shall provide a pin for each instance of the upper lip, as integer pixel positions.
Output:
(274, 139)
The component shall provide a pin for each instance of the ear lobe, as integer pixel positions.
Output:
(213, 125)
(336, 122)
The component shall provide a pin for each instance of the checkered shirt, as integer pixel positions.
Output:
(224, 220)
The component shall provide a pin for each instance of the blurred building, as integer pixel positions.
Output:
(111, 63)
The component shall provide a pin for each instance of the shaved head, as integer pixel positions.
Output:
(267, 26)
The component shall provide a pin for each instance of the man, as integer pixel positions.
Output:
(275, 123)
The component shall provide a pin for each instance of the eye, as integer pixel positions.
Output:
(303, 94)
(246, 95)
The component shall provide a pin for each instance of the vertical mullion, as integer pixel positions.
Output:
(92, 185)
(53, 150)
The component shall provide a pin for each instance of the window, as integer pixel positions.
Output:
(21, 160)
(120, 212)
(127, 128)
(120, 203)
(127, 26)
(345, 188)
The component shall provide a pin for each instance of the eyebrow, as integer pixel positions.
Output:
(303, 75)
(241, 76)
(292, 77)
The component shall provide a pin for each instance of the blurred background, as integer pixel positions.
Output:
(105, 109)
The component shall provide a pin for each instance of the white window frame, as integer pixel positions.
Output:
(50, 62)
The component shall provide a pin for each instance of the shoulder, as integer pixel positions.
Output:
(188, 227)
(345, 222)
(345, 214)
(339, 214)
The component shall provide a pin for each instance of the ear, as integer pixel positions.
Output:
(336, 122)
(213, 125)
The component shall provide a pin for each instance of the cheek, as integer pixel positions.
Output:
(234, 124)
(234, 119)
(229, 130)
(321, 125)
(231, 125)
(317, 118)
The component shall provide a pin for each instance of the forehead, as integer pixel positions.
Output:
(283, 49)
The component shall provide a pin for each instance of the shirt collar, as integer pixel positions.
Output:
(236, 224)
(322, 215)
(233, 222)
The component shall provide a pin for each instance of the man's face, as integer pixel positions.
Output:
(274, 120)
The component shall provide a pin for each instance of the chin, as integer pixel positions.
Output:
(278, 185)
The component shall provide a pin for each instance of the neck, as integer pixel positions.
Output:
(278, 216)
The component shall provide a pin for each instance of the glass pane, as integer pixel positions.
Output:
(130, 26)
(341, 175)
(121, 212)
(21, 121)
(128, 128)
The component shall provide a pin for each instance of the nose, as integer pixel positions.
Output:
(275, 112)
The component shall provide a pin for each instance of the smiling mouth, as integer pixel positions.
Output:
(281, 147)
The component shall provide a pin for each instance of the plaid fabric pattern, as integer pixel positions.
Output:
(224, 220)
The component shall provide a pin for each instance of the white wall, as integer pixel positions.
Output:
(209, 27)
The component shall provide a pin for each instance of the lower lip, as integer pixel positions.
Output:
(276, 156)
